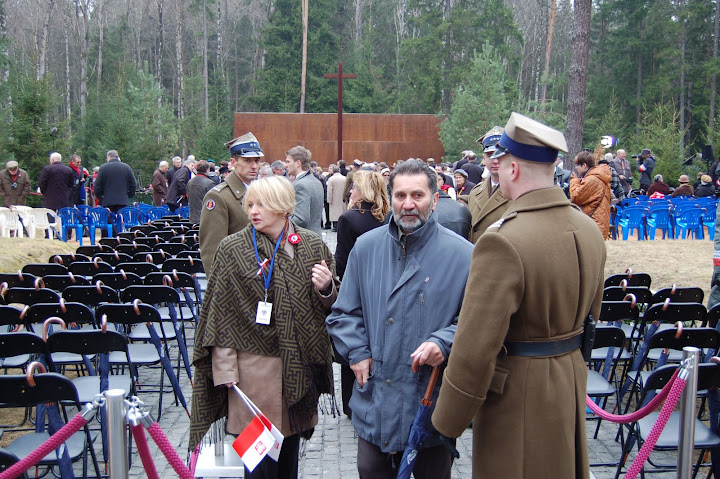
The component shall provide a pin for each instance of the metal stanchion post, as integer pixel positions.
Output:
(117, 433)
(691, 358)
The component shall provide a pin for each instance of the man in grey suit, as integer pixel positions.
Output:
(308, 190)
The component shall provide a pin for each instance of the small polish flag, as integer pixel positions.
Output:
(254, 443)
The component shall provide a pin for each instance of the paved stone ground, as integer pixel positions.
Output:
(331, 451)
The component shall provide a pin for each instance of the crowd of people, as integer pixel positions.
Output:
(280, 308)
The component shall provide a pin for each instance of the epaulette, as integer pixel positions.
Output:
(496, 226)
(220, 187)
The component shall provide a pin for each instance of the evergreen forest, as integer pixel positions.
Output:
(158, 78)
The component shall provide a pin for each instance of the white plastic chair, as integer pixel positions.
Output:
(43, 223)
(26, 215)
(9, 223)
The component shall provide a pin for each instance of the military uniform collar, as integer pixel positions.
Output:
(539, 200)
(236, 185)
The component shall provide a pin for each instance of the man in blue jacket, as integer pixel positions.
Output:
(395, 305)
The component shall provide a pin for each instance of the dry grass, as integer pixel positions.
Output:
(17, 252)
(668, 262)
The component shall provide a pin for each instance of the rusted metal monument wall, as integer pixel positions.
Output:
(368, 137)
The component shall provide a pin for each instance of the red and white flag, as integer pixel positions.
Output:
(254, 443)
(265, 446)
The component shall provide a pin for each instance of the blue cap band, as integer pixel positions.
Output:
(248, 148)
(491, 140)
(538, 154)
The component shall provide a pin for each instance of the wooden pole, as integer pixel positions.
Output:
(339, 75)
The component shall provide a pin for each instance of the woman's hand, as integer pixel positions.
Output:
(322, 277)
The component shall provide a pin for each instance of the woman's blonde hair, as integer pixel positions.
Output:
(275, 193)
(373, 189)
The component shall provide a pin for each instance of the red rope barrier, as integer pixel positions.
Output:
(639, 414)
(194, 459)
(657, 429)
(142, 445)
(170, 453)
(53, 443)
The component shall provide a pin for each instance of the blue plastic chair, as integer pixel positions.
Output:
(144, 209)
(184, 212)
(70, 219)
(708, 219)
(689, 220)
(99, 218)
(157, 213)
(127, 217)
(660, 218)
(633, 218)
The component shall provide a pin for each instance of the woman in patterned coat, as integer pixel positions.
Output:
(282, 360)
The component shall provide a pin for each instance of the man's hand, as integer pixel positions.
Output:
(429, 353)
(362, 370)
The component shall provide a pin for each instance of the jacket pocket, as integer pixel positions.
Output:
(361, 403)
(497, 383)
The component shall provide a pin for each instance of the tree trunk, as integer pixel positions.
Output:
(101, 41)
(305, 7)
(205, 63)
(180, 76)
(68, 109)
(220, 59)
(713, 79)
(42, 42)
(548, 51)
(682, 88)
(578, 76)
(160, 48)
(358, 21)
(638, 94)
(445, 88)
(82, 27)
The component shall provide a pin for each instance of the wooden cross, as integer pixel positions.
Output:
(339, 75)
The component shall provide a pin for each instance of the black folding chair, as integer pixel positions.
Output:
(114, 258)
(67, 259)
(141, 269)
(117, 280)
(58, 282)
(19, 279)
(43, 269)
(29, 296)
(633, 279)
(89, 269)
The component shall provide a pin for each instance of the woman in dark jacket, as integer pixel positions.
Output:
(705, 188)
(369, 204)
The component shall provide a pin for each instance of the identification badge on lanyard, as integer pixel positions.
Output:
(264, 311)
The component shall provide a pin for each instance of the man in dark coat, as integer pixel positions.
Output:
(453, 215)
(14, 184)
(177, 193)
(176, 165)
(80, 175)
(115, 183)
(474, 169)
(55, 182)
(197, 187)
(646, 164)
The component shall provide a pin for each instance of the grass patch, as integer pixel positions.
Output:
(17, 252)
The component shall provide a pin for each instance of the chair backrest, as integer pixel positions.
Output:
(128, 314)
(131, 249)
(99, 216)
(70, 312)
(19, 279)
(188, 239)
(633, 279)
(42, 269)
(92, 250)
(8, 459)
(175, 279)
(10, 315)
(41, 219)
(30, 296)
(150, 294)
(661, 215)
(155, 257)
(87, 341)
(67, 259)
(171, 248)
(91, 295)
(49, 387)
(90, 268)
(69, 216)
(148, 240)
(140, 269)
(118, 280)
(690, 217)
(130, 236)
(15, 344)
(708, 377)
(678, 295)
(145, 229)
(674, 312)
(697, 337)
(612, 311)
(58, 282)
(618, 293)
(113, 242)
(187, 265)
(713, 316)
(128, 217)
(114, 258)
(608, 336)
